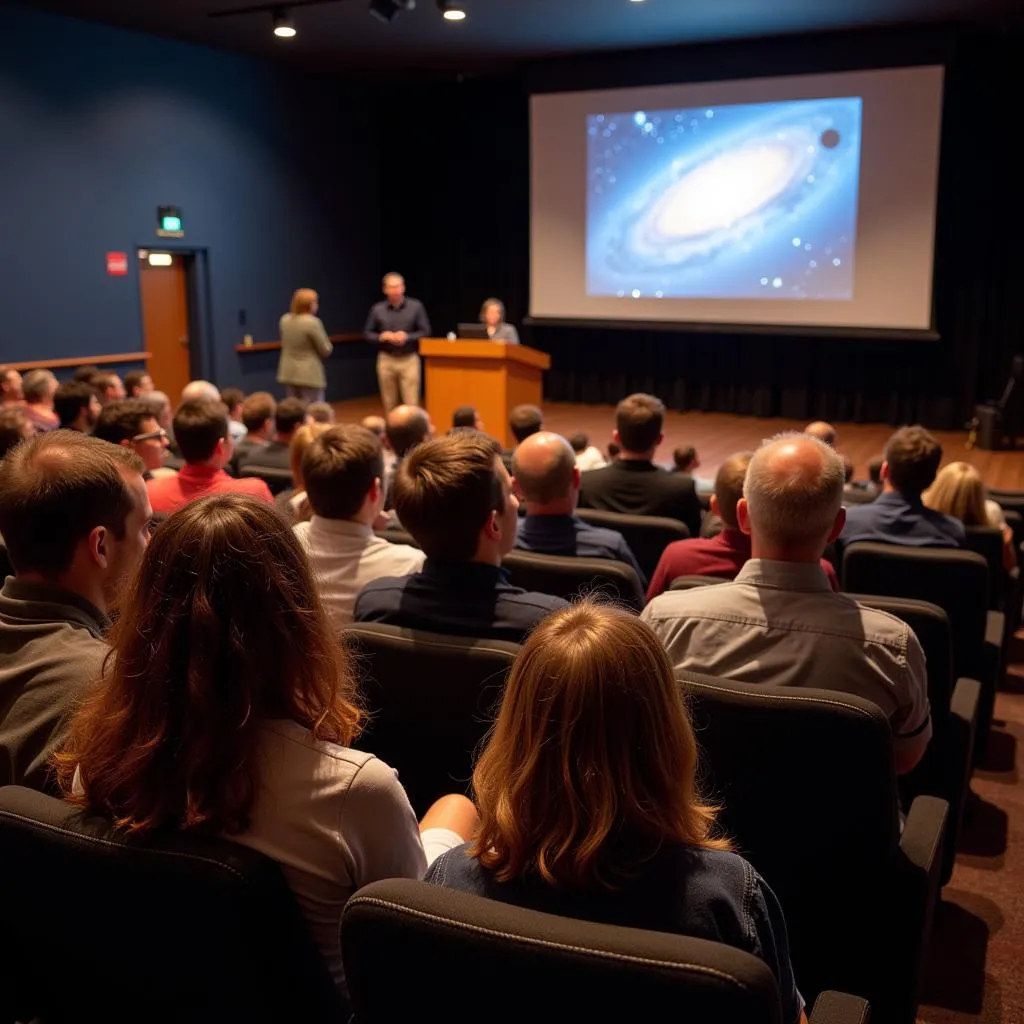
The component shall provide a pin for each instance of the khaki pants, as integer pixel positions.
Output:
(399, 379)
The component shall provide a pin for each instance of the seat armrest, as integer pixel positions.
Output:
(921, 842)
(964, 704)
(840, 1008)
(995, 625)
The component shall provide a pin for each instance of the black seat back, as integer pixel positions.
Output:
(181, 928)
(431, 700)
(647, 536)
(571, 577)
(987, 541)
(527, 966)
(274, 477)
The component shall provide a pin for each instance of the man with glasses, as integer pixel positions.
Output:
(131, 423)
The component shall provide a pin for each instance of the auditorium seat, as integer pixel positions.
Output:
(945, 769)
(958, 582)
(647, 536)
(99, 926)
(431, 700)
(274, 477)
(522, 965)
(807, 787)
(570, 577)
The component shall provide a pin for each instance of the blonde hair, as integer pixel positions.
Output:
(958, 491)
(301, 440)
(303, 301)
(591, 765)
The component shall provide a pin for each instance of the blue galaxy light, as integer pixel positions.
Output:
(743, 201)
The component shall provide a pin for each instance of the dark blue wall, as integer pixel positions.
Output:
(273, 169)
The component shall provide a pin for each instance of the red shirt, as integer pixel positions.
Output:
(168, 493)
(723, 556)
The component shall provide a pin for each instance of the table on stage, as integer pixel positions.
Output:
(492, 376)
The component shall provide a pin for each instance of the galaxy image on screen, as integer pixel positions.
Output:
(746, 201)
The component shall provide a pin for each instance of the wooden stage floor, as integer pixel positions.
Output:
(718, 435)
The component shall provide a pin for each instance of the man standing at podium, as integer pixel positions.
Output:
(395, 326)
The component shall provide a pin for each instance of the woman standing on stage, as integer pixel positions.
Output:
(304, 347)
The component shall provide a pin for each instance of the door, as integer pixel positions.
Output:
(165, 322)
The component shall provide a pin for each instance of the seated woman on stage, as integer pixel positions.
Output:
(228, 707)
(588, 801)
(492, 316)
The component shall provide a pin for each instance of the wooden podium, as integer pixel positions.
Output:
(493, 376)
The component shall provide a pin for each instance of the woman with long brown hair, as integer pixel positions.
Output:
(588, 802)
(227, 706)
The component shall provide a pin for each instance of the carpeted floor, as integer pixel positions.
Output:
(976, 967)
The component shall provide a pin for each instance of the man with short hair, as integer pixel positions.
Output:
(405, 427)
(546, 478)
(86, 373)
(321, 412)
(75, 518)
(258, 412)
(131, 423)
(823, 431)
(10, 387)
(14, 427)
(289, 415)
(898, 515)
(77, 406)
(453, 495)
(779, 622)
(109, 388)
(525, 420)
(724, 554)
(343, 471)
(467, 416)
(39, 388)
(233, 399)
(201, 429)
(137, 383)
(395, 327)
(632, 483)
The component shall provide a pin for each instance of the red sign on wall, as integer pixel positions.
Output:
(117, 264)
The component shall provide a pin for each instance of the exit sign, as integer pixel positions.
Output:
(169, 223)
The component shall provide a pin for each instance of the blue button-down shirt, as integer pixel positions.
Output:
(410, 317)
(893, 519)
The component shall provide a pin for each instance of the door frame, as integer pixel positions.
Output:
(196, 259)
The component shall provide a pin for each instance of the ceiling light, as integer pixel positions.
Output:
(385, 10)
(161, 259)
(284, 27)
(451, 10)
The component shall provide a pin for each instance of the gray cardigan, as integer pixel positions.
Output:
(304, 347)
(505, 332)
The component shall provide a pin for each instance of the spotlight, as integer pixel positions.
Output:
(284, 27)
(385, 10)
(451, 10)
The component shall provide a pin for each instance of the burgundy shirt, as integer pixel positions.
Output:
(722, 556)
(168, 493)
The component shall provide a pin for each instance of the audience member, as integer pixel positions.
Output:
(587, 456)
(131, 423)
(376, 425)
(258, 411)
(109, 388)
(848, 471)
(293, 503)
(161, 406)
(823, 431)
(137, 383)
(201, 429)
(321, 412)
(75, 518)
(454, 496)
(547, 480)
(725, 553)
(199, 390)
(39, 387)
(589, 804)
(780, 622)
(14, 427)
(233, 399)
(289, 415)
(343, 471)
(406, 427)
(85, 373)
(228, 707)
(525, 420)
(614, 451)
(467, 416)
(875, 471)
(685, 460)
(958, 491)
(898, 515)
(10, 387)
(76, 406)
(633, 483)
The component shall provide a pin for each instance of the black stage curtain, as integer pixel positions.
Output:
(456, 222)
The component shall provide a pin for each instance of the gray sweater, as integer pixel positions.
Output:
(304, 347)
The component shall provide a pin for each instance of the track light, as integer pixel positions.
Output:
(385, 10)
(284, 27)
(451, 10)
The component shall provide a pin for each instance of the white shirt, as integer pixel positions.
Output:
(345, 556)
(335, 819)
(590, 458)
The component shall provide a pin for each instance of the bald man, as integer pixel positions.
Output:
(823, 431)
(405, 427)
(546, 480)
(779, 622)
(395, 327)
